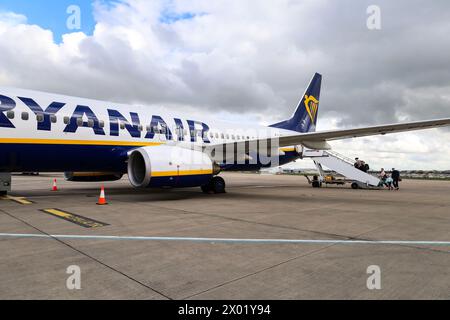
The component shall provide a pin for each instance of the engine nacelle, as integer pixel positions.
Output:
(92, 176)
(169, 166)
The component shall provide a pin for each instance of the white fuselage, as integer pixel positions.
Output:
(29, 119)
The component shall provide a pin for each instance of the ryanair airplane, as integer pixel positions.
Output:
(101, 141)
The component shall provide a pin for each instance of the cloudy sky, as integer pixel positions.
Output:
(248, 60)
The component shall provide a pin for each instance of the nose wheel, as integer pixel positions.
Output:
(215, 185)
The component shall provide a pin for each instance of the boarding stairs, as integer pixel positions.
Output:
(342, 165)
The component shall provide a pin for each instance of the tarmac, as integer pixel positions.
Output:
(268, 237)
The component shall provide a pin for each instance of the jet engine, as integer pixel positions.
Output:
(170, 166)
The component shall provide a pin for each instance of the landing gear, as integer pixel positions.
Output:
(316, 183)
(5, 183)
(215, 185)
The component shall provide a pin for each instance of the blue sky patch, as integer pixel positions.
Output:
(52, 14)
(168, 17)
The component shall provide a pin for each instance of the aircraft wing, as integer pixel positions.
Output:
(313, 138)
(318, 140)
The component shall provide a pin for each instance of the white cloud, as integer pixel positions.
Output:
(243, 57)
(12, 19)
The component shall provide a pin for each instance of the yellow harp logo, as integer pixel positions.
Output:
(311, 105)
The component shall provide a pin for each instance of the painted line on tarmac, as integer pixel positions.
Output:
(75, 218)
(20, 200)
(228, 240)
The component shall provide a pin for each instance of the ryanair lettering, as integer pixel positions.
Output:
(129, 122)
(53, 108)
(79, 113)
(6, 104)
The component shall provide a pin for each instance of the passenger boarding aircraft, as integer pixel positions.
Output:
(99, 141)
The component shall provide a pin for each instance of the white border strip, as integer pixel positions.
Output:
(226, 240)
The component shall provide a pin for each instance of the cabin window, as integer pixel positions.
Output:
(101, 124)
(79, 122)
(25, 116)
(122, 125)
(53, 118)
(211, 135)
(10, 114)
(180, 131)
(141, 127)
(91, 123)
(228, 136)
(217, 135)
(66, 120)
(40, 118)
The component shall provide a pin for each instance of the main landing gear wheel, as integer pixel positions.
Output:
(215, 185)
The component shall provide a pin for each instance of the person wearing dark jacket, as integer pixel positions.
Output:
(396, 177)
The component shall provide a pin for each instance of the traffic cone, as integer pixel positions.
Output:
(102, 199)
(54, 188)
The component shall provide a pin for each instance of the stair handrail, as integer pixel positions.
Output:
(341, 157)
(347, 160)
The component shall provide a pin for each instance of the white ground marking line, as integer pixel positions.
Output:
(227, 240)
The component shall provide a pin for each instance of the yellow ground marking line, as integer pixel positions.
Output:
(75, 218)
(79, 142)
(180, 173)
(21, 200)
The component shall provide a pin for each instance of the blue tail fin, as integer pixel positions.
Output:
(305, 116)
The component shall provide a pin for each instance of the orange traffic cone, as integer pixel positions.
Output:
(102, 199)
(54, 188)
